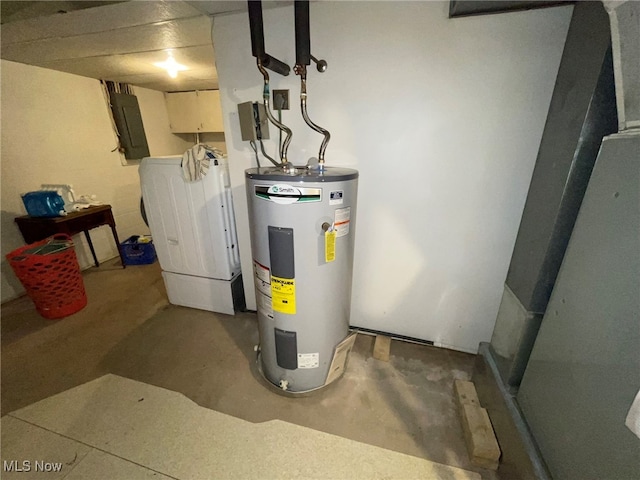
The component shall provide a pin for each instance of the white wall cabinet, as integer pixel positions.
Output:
(195, 112)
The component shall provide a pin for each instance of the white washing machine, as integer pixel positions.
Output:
(194, 233)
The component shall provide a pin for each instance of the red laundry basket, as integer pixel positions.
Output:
(50, 274)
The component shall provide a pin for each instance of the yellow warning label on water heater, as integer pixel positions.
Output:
(330, 246)
(283, 295)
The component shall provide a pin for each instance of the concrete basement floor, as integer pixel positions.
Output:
(129, 329)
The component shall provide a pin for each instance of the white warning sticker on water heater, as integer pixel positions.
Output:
(263, 287)
(308, 360)
(335, 198)
(264, 305)
(261, 272)
(262, 277)
(342, 221)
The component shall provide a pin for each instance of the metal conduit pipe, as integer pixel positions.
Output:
(267, 156)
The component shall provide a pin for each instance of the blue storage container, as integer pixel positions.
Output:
(43, 203)
(135, 252)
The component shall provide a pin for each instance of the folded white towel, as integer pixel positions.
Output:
(196, 160)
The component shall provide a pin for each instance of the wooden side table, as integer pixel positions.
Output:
(39, 228)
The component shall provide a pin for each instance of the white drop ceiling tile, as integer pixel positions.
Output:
(18, 10)
(206, 73)
(215, 8)
(164, 83)
(182, 84)
(201, 74)
(97, 19)
(198, 58)
(99, 67)
(159, 86)
(194, 58)
(166, 35)
(184, 81)
(158, 76)
(197, 84)
(218, 8)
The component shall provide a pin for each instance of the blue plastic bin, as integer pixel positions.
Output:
(137, 253)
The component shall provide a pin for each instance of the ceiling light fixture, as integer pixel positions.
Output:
(171, 66)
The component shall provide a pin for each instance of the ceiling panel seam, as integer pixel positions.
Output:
(7, 42)
(122, 54)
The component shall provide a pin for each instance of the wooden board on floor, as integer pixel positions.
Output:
(381, 348)
(478, 433)
(465, 393)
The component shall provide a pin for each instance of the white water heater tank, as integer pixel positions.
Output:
(302, 225)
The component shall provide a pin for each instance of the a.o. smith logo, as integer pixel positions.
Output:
(286, 194)
(283, 190)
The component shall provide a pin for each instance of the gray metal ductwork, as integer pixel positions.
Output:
(568, 150)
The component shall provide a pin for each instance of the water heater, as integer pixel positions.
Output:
(302, 223)
(302, 236)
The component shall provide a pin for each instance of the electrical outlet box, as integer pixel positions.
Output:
(254, 124)
(280, 100)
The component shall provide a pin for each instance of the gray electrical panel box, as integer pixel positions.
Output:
(126, 114)
(254, 124)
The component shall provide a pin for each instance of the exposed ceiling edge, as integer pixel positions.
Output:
(466, 8)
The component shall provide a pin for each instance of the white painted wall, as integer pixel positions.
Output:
(443, 119)
(216, 140)
(56, 129)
